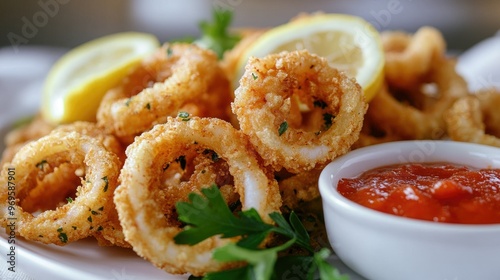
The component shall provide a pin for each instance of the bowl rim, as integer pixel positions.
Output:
(330, 195)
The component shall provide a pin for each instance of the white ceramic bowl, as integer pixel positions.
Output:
(383, 246)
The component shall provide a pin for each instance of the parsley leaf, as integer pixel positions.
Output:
(261, 262)
(283, 127)
(326, 271)
(207, 215)
(106, 183)
(293, 230)
(184, 116)
(215, 35)
(328, 118)
(40, 165)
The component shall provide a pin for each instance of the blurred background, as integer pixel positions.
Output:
(67, 23)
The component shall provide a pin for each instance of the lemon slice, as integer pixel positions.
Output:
(349, 43)
(79, 79)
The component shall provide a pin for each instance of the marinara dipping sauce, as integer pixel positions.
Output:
(436, 192)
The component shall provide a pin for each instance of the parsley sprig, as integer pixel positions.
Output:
(207, 214)
(216, 35)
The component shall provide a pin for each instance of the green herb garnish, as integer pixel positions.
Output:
(62, 236)
(184, 116)
(41, 164)
(207, 215)
(215, 35)
(69, 199)
(182, 161)
(328, 119)
(169, 52)
(283, 127)
(105, 179)
(213, 155)
(320, 103)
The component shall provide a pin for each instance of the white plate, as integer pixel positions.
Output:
(83, 259)
(20, 97)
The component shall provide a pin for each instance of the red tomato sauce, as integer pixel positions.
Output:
(435, 192)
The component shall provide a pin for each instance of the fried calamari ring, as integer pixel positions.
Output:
(408, 57)
(74, 220)
(417, 113)
(177, 74)
(476, 118)
(111, 233)
(264, 100)
(139, 205)
(53, 189)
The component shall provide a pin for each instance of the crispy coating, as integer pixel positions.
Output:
(168, 82)
(73, 220)
(91, 129)
(53, 189)
(144, 190)
(410, 56)
(475, 118)
(417, 113)
(373, 132)
(264, 103)
(299, 188)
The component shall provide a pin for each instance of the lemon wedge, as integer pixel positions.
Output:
(77, 82)
(349, 43)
